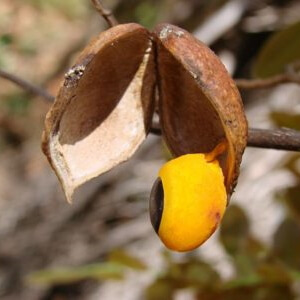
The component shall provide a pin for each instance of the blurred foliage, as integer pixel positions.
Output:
(6, 39)
(193, 273)
(17, 103)
(234, 230)
(287, 237)
(288, 120)
(70, 8)
(287, 243)
(144, 12)
(281, 49)
(115, 267)
(121, 257)
(261, 272)
(293, 165)
(106, 270)
(291, 196)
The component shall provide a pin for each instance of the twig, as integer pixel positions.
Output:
(27, 86)
(291, 75)
(105, 13)
(268, 82)
(280, 139)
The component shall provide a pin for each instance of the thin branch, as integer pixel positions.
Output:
(291, 75)
(27, 86)
(268, 82)
(280, 139)
(105, 13)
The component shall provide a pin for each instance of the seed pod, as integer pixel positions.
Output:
(104, 108)
(199, 104)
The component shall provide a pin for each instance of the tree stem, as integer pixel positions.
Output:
(27, 86)
(280, 139)
(105, 13)
(267, 82)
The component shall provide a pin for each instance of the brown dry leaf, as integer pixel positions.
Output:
(199, 103)
(104, 108)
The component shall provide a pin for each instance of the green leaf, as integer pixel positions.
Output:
(295, 275)
(283, 119)
(107, 270)
(146, 14)
(274, 292)
(274, 273)
(292, 165)
(191, 273)
(245, 250)
(6, 39)
(253, 290)
(231, 294)
(234, 229)
(286, 244)
(245, 263)
(70, 8)
(121, 257)
(243, 281)
(290, 197)
(159, 290)
(17, 103)
(198, 274)
(281, 49)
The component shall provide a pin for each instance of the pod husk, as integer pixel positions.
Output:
(104, 108)
(199, 104)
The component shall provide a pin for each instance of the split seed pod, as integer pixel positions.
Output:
(104, 108)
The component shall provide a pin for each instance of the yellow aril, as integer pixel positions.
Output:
(194, 200)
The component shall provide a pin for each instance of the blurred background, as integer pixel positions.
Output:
(103, 246)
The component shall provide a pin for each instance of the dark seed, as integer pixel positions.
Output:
(156, 205)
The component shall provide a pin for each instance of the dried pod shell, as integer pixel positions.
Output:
(199, 103)
(104, 107)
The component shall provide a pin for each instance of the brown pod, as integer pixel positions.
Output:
(199, 103)
(104, 108)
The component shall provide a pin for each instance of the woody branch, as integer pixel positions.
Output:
(282, 139)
